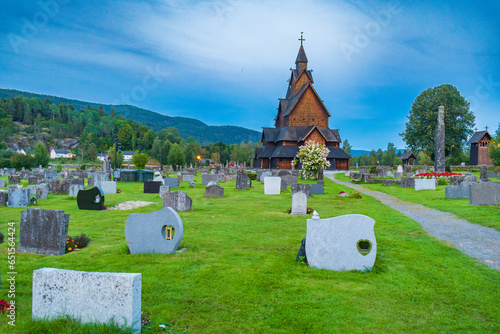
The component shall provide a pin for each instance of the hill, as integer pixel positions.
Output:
(186, 126)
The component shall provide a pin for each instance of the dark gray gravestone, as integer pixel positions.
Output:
(32, 179)
(485, 193)
(242, 181)
(42, 191)
(317, 189)
(152, 187)
(14, 179)
(407, 182)
(455, 180)
(74, 189)
(177, 200)
(171, 182)
(284, 172)
(149, 232)
(304, 187)
(18, 197)
(92, 199)
(43, 231)
(214, 191)
(62, 186)
(3, 183)
(289, 180)
(4, 195)
(388, 182)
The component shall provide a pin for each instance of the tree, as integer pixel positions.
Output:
(420, 130)
(424, 159)
(18, 161)
(389, 155)
(92, 153)
(346, 147)
(176, 156)
(42, 156)
(494, 149)
(125, 136)
(312, 155)
(372, 159)
(119, 157)
(140, 160)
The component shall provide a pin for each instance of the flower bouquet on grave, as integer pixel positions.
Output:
(4, 306)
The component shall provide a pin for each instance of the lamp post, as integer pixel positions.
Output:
(451, 156)
(196, 164)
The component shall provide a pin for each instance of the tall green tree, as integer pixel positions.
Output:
(420, 130)
(389, 155)
(42, 156)
(119, 157)
(494, 149)
(126, 137)
(346, 147)
(140, 160)
(176, 156)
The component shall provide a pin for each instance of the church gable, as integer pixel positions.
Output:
(316, 136)
(308, 110)
(298, 83)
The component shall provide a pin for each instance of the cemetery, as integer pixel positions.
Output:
(234, 258)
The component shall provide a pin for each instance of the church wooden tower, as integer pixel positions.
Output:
(301, 117)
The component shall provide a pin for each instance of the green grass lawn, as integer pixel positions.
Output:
(239, 273)
(436, 199)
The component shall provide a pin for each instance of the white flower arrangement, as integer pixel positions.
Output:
(312, 155)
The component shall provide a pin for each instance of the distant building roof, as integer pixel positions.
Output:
(62, 151)
(408, 155)
(477, 137)
(128, 152)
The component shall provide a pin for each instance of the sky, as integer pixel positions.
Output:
(227, 62)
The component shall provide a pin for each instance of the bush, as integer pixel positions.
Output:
(414, 169)
(373, 169)
(83, 166)
(355, 194)
(442, 181)
(252, 176)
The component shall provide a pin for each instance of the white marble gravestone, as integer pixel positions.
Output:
(341, 243)
(108, 187)
(87, 296)
(425, 184)
(299, 203)
(272, 185)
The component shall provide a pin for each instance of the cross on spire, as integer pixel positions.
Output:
(475, 129)
(486, 127)
(301, 39)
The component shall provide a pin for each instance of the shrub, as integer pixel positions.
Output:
(252, 176)
(373, 170)
(355, 194)
(442, 181)
(83, 166)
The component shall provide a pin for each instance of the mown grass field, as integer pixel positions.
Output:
(239, 273)
(488, 216)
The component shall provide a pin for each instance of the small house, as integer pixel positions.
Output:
(408, 158)
(60, 153)
(479, 143)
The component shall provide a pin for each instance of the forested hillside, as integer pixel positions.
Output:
(187, 127)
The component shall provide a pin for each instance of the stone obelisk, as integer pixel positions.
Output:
(439, 145)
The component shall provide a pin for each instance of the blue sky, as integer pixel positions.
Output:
(227, 62)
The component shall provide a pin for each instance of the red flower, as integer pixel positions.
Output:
(4, 306)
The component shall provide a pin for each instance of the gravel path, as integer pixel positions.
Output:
(480, 242)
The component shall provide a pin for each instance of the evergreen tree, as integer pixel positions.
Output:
(42, 156)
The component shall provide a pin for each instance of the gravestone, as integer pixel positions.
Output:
(284, 172)
(272, 185)
(91, 199)
(483, 174)
(153, 187)
(14, 179)
(348, 174)
(187, 177)
(388, 182)
(74, 189)
(317, 189)
(365, 177)
(108, 187)
(42, 191)
(157, 232)
(172, 182)
(62, 186)
(459, 191)
(163, 190)
(99, 178)
(484, 194)
(4, 197)
(398, 175)
(18, 197)
(51, 175)
(206, 178)
(288, 180)
(87, 296)
(299, 203)
(455, 180)
(32, 179)
(320, 180)
(43, 231)
(177, 200)
(214, 191)
(303, 187)
(407, 182)
(425, 184)
(439, 154)
(264, 175)
(242, 181)
(3, 183)
(192, 184)
(470, 178)
(341, 243)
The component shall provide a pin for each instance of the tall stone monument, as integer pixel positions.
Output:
(439, 145)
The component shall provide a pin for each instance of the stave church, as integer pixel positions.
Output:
(302, 117)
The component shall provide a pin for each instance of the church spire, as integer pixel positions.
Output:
(301, 61)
